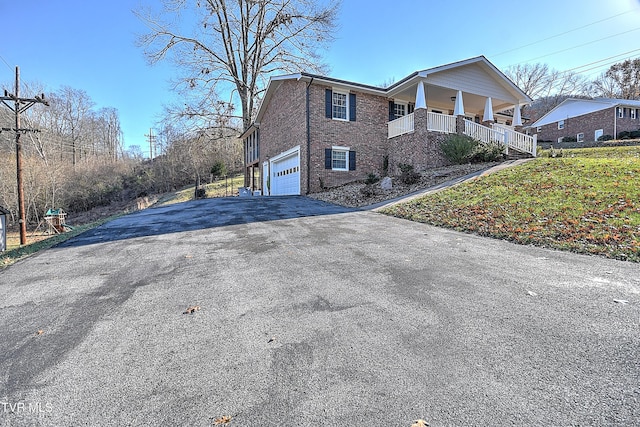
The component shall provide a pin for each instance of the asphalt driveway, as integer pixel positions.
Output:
(312, 314)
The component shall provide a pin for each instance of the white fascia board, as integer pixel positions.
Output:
(286, 154)
(492, 70)
(570, 108)
(344, 86)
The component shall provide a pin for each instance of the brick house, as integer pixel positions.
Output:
(313, 132)
(586, 120)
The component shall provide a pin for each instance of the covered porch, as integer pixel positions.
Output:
(471, 98)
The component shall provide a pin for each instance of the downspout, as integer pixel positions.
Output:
(615, 123)
(308, 140)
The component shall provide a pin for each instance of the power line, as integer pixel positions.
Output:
(582, 45)
(20, 105)
(563, 33)
(6, 63)
(602, 60)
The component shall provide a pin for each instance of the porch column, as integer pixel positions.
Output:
(458, 109)
(460, 125)
(517, 119)
(487, 117)
(421, 99)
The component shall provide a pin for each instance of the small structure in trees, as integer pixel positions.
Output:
(56, 219)
(3, 229)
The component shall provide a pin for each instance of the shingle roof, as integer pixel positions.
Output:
(573, 107)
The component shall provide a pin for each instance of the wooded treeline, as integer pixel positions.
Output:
(549, 87)
(77, 160)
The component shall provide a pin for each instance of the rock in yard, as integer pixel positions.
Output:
(386, 183)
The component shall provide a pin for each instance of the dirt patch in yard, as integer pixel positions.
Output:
(359, 194)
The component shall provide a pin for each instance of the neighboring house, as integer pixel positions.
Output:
(586, 120)
(313, 132)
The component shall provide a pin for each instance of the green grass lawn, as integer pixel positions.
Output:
(17, 253)
(220, 188)
(588, 201)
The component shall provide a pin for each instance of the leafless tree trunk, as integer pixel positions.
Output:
(238, 44)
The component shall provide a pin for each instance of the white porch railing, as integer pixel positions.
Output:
(441, 123)
(401, 125)
(483, 133)
(502, 135)
(520, 141)
(499, 134)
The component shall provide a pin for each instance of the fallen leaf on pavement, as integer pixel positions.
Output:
(192, 309)
(620, 301)
(420, 423)
(40, 332)
(222, 420)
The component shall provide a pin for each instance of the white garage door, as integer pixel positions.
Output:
(285, 173)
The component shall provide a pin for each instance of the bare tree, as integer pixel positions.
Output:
(238, 44)
(76, 106)
(547, 87)
(533, 79)
(621, 80)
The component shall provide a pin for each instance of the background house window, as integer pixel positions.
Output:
(340, 105)
(561, 124)
(633, 113)
(560, 139)
(539, 129)
(580, 137)
(620, 113)
(598, 134)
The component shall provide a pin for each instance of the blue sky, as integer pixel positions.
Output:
(90, 45)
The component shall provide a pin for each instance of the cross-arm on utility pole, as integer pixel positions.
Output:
(152, 143)
(20, 105)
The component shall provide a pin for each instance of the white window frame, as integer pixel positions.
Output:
(338, 149)
(580, 137)
(405, 107)
(539, 129)
(620, 113)
(561, 124)
(597, 134)
(334, 105)
(633, 113)
(560, 139)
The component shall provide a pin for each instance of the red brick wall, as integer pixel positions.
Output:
(421, 148)
(283, 125)
(367, 136)
(588, 124)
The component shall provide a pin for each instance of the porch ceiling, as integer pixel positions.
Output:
(440, 98)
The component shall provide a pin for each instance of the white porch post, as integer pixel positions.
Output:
(488, 111)
(421, 100)
(517, 119)
(458, 110)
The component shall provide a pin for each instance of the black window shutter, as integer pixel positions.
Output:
(352, 160)
(352, 107)
(392, 114)
(327, 158)
(328, 103)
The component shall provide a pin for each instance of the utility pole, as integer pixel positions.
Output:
(20, 105)
(152, 143)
